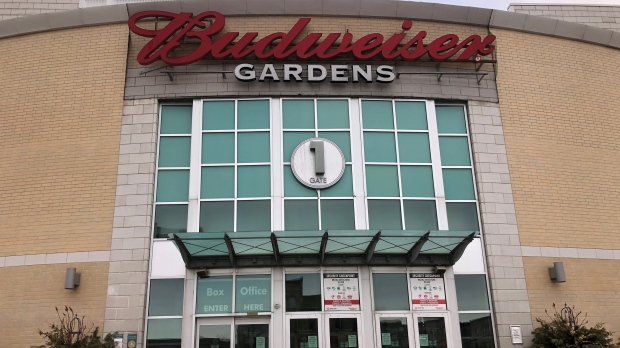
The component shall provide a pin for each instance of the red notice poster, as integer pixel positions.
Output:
(427, 291)
(341, 291)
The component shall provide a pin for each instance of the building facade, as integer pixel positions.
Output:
(214, 193)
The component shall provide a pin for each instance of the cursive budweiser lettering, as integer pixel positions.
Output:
(281, 45)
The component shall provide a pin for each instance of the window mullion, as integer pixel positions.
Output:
(277, 166)
(193, 210)
(357, 164)
(433, 137)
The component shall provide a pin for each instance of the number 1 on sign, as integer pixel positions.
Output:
(319, 156)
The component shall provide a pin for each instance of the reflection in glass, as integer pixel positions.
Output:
(166, 297)
(163, 333)
(214, 295)
(304, 333)
(303, 292)
(432, 332)
(342, 333)
(390, 291)
(214, 336)
(394, 332)
(301, 215)
(476, 330)
(252, 336)
(471, 292)
(170, 219)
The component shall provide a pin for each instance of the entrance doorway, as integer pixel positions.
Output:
(233, 333)
(323, 331)
(412, 330)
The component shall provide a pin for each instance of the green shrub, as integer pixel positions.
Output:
(72, 333)
(567, 330)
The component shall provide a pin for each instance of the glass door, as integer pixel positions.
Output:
(343, 330)
(432, 330)
(233, 333)
(304, 331)
(394, 331)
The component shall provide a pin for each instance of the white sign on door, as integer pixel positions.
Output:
(341, 291)
(428, 291)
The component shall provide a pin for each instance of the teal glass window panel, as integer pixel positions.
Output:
(253, 293)
(379, 147)
(217, 182)
(384, 214)
(176, 119)
(253, 147)
(332, 114)
(253, 114)
(166, 297)
(337, 214)
(217, 216)
(214, 295)
(342, 139)
(290, 142)
(420, 215)
(471, 292)
(253, 181)
(301, 215)
(377, 114)
(174, 151)
(390, 291)
(170, 219)
(218, 148)
(343, 188)
(163, 333)
(293, 188)
(458, 184)
(303, 292)
(451, 119)
(414, 148)
(411, 115)
(218, 115)
(476, 330)
(417, 181)
(454, 151)
(297, 114)
(462, 216)
(254, 215)
(382, 181)
(172, 185)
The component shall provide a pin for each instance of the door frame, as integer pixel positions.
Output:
(232, 321)
(410, 330)
(327, 336)
(444, 315)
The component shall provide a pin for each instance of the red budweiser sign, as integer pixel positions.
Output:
(282, 45)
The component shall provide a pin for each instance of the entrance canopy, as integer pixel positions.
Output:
(327, 248)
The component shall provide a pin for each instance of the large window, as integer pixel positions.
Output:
(224, 166)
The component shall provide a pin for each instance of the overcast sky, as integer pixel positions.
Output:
(503, 4)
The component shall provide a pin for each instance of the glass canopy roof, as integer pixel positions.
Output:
(329, 248)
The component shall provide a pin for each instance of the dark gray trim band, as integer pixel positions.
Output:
(354, 8)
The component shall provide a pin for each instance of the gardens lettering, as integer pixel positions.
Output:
(281, 45)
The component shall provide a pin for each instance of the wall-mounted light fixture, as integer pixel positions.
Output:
(72, 279)
(202, 273)
(557, 272)
(440, 269)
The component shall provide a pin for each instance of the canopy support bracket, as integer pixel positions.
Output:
(370, 250)
(231, 249)
(456, 254)
(274, 245)
(415, 250)
(323, 246)
(182, 249)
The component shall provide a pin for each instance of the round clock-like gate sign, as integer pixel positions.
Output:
(317, 163)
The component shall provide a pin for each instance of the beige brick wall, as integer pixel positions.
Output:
(606, 17)
(31, 293)
(18, 8)
(559, 106)
(61, 118)
(591, 286)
